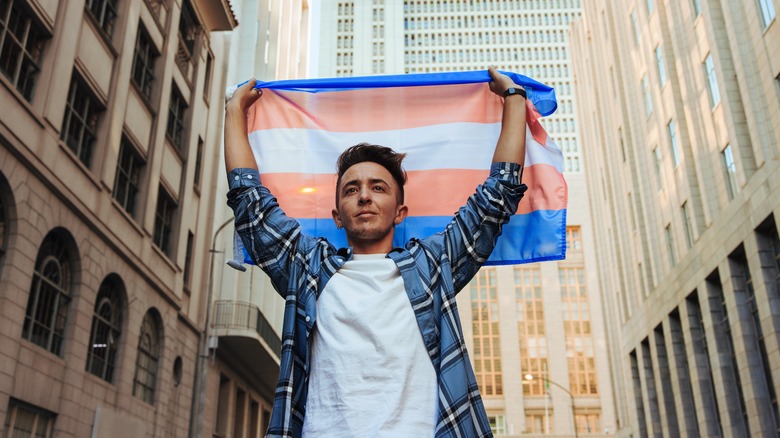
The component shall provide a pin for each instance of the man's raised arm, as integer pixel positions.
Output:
(238, 153)
(511, 142)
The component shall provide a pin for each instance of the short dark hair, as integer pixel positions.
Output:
(382, 155)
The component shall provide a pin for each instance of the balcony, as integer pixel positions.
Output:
(246, 336)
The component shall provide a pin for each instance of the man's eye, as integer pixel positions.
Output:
(350, 190)
(379, 188)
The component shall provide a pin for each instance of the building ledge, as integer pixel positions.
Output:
(217, 14)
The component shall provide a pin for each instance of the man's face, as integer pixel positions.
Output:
(368, 207)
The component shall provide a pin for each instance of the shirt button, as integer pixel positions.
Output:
(308, 318)
(236, 178)
(515, 173)
(502, 171)
(249, 177)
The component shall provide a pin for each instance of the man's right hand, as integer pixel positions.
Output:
(244, 97)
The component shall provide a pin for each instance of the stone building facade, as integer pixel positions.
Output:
(109, 134)
(679, 105)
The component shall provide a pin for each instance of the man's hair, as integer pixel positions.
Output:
(382, 155)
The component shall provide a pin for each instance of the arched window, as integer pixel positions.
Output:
(47, 307)
(147, 362)
(106, 328)
(3, 224)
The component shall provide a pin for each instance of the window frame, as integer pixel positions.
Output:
(48, 330)
(128, 149)
(175, 130)
(14, 406)
(147, 364)
(164, 221)
(145, 54)
(100, 11)
(23, 82)
(109, 294)
(83, 106)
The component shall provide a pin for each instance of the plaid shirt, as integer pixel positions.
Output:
(433, 269)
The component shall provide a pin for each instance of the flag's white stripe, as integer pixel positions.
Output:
(446, 146)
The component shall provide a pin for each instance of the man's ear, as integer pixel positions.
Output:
(336, 218)
(400, 214)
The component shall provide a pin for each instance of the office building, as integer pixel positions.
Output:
(245, 320)
(679, 104)
(541, 320)
(107, 173)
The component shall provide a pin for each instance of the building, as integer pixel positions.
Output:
(679, 103)
(245, 320)
(524, 320)
(108, 152)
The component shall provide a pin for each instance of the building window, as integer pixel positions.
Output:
(573, 239)
(176, 113)
(538, 423)
(209, 73)
(128, 176)
(670, 245)
(47, 306)
(22, 41)
(635, 25)
(531, 330)
(497, 424)
(712, 80)
(659, 59)
(587, 422)
(729, 171)
(147, 361)
(104, 12)
(198, 164)
(767, 11)
(106, 329)
(188, 262)
(673, 143)
(189, 28)
(144, 59)
(484, 319)
(163, 221)
(577, 330)
(79, 127)
(26, 420)
(687, 225)
(646, 93)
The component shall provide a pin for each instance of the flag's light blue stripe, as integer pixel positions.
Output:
(527, 238)
(542, 95)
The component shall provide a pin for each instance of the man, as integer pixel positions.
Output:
(372, 344)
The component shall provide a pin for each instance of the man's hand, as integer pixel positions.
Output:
(510, 146)
(500, 82)
(238, 154)
(244, 97)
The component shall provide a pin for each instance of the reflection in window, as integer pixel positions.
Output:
(47, 307)
(106, 328)
(148, 359)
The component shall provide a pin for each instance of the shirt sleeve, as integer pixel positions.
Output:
(469, 239)
(270, 237)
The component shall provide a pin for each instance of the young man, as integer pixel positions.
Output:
(372, 344)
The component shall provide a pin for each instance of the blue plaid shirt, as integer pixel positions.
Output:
(433, 269)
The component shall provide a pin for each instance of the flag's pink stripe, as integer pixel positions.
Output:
(382, 109)
(428, 193)
(378, 109)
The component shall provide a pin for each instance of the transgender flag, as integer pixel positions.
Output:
(447, 123)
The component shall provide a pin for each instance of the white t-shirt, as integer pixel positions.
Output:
(370, 375)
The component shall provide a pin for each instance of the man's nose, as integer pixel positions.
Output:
(364, 196)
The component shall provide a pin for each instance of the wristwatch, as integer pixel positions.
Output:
(512, 90)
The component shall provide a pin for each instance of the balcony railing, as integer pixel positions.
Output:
(247, 316)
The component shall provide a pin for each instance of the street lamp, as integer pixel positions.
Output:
(530, 377)
(201, 372)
